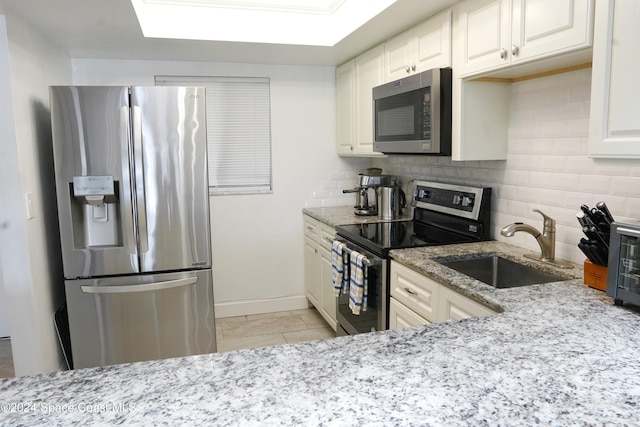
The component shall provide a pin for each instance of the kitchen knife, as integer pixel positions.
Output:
(601, 218)
(587, 251)
(601, 206)
(582, 219)
(600, 255)
(588, 214)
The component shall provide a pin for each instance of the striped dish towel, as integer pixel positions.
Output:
(359, 288)
(340, 285)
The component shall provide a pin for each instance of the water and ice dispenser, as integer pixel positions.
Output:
(95, 211)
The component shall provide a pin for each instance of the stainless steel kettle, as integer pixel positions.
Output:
(391, 200)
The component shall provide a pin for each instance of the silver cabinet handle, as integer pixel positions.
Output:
(407, 69)
(503, 53)
(515, 50)
(409, 291)
(126, 289)
(139, 180)
(413, 67)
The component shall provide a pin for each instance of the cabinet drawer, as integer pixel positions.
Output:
(326, 235)
(454, 306)
(401, 317)
(311, 227)
(414, 290)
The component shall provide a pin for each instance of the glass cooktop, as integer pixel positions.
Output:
(381, 237)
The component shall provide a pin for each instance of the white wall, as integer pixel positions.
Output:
(257, 239)
(29, 248)
(547, 165)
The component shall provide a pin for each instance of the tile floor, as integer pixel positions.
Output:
(6, 359)
(236, 333)
(259, 330)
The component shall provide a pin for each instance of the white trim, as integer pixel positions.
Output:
(259, 306)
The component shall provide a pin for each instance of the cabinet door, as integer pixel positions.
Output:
(424, 47)
(401, 317)
(311, 271)
(345, 81)
(328, 299)
(368, 67)
(454, 306)
(398, 56)
(549, 27)
(414, 290)
(432, 43)
(615, 88)
(484, 35)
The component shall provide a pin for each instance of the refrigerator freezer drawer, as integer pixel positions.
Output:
(136, 318)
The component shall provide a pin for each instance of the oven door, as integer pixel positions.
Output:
(375, 317)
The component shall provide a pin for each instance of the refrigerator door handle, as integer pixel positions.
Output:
(129, 225)
(143, 235)
(126, 289)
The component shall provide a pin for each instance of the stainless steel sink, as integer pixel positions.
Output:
(500, 272)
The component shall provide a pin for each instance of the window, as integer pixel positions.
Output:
(238, 131)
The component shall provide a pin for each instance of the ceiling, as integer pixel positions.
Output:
(109, 29)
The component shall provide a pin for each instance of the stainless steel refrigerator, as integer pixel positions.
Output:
(133, 207)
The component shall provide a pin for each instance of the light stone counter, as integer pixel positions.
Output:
(558, 354)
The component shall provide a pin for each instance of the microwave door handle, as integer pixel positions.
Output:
(127, 289)
(623, 230)
(139, 180)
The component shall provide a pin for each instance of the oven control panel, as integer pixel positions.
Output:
(450, 198)
(458, 200)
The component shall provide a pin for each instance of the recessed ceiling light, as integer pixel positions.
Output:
(300, 22)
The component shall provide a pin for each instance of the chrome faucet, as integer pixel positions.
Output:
(546, 239)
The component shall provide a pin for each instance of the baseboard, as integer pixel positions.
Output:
(259, 306)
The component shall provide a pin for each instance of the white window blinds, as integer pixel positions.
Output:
(238, 131)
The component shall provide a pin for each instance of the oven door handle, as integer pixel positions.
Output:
(623, 230)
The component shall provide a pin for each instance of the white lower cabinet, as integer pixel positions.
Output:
(317, 268)
(401, 317)
(453, 306)
(418, 300)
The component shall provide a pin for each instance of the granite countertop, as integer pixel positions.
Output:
(556, 354)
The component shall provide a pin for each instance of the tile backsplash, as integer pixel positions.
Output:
(342, 177)
(547, 166)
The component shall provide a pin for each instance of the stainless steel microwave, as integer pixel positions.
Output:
(413, 115)
(623, 272)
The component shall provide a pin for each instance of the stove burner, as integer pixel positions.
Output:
(381, 237)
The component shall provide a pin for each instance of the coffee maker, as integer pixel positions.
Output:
(366, 194)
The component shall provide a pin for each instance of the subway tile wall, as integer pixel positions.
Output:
(547, 166)
(344, 175)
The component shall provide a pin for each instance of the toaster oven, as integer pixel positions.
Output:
(623, 276)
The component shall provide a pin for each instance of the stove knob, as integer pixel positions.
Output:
(456, 199)
(467, 201)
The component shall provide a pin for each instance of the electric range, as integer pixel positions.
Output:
(443, 214)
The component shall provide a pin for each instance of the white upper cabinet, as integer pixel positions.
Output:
(484, 35)
(615, 88)
(421, 48)
(548, 27)
(497, 33)
(368, 74)
(345, 115)
(355, 81)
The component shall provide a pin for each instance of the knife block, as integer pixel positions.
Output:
(595, 275)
